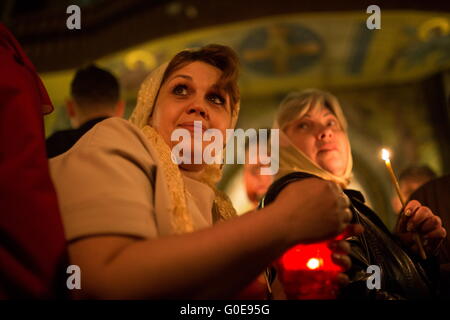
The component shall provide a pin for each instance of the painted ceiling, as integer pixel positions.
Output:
(296, 51)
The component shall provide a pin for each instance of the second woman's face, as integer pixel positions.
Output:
(190, 94)
(319, 135)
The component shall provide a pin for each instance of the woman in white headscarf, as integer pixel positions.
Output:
(141, 226)
(314, 144)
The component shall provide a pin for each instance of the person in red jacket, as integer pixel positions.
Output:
(32, 245)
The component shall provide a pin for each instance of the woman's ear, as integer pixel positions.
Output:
(70, 107)
(120, 109)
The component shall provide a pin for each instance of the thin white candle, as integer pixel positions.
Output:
(385, 155)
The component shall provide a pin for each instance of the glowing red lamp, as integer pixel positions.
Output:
(307, 272)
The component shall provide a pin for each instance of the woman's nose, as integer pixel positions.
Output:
(325, 133)
(199, 108)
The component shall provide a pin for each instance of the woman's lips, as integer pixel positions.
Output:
(190, 126)
(328, 148)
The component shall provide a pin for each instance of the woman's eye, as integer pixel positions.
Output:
(180, 90)
(332, 123)
(216, 99)
(303, 125)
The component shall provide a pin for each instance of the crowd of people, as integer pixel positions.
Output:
(111, 200)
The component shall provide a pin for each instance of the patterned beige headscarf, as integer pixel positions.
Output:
(292, 159)
(181, 219)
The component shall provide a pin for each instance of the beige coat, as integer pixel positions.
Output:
(108, 183)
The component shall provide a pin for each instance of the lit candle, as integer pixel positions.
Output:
(385, 155)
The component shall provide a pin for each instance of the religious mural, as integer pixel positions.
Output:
(377, 75)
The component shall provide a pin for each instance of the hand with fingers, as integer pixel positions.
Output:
(421, 220)
(313, 210)
(341, 250)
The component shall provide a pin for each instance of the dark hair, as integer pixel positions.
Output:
(422, 173)
(222, 57)
(94, 86)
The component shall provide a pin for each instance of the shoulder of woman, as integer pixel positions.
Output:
(113, 136)
(115, 130)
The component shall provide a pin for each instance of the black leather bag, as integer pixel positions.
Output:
(401, 276)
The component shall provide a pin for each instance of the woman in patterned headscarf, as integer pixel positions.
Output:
(139, 225)
(314, 144)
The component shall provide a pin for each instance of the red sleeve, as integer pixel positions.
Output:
(32, 243)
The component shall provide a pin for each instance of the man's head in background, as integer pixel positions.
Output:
(257, 184)
(95, 93)
(410, 180)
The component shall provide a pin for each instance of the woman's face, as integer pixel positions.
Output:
(192, 94)
(319, 135)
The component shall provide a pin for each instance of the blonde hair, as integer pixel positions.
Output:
(296, 104)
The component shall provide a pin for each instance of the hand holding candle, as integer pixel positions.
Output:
(385, 155)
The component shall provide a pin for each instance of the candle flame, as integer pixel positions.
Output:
(313, 263)
(385, 155)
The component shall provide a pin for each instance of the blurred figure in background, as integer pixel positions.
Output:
(435, 194)
(95, 96)
(257, 184)
(410, 180)
(32, 243)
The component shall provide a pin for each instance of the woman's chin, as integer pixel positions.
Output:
(334, 168)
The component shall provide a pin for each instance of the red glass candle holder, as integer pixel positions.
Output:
(308, 273)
